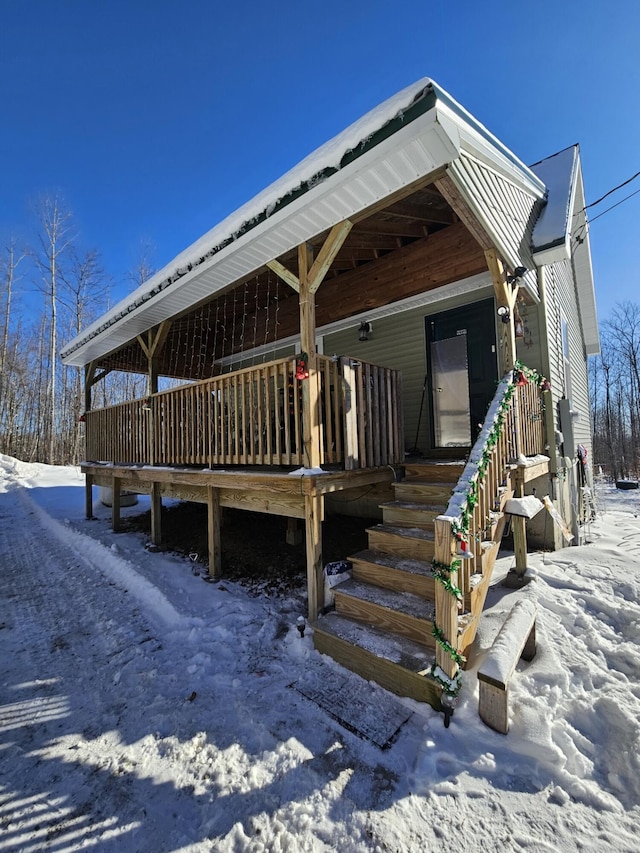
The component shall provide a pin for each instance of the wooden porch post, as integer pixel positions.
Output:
(310, 276)
(313, 537)
(152, 348)
(156, 514)
(115, 504)
(213, 532)
(506, 295)
(89, 374)
(310, 388)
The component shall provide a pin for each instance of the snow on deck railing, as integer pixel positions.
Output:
(458, 503)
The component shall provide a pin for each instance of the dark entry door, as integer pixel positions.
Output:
(462, 371)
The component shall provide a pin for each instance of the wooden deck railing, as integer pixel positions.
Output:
(514, 427)
(254, 417)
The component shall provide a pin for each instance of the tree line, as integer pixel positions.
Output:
(614, 380)
(50, 290)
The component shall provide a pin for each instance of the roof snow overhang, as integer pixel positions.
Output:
(412, 135)
(561, 233)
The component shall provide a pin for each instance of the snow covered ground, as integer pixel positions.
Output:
(142, 709)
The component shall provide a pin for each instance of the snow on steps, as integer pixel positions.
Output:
(393, 572)
(410, 513)
(395, 662)
(397, 612)
(412, 542)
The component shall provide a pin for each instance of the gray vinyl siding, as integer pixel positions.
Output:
(562, 303)
(507, 211)
(399, 342)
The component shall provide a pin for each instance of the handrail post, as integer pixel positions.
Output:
(350, 406)
(446, 602)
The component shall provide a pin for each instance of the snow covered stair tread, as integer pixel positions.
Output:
(358, 705)
(412, 542)
(405, 602)
(394, 662)
(393, 571)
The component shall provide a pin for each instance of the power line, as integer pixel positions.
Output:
(615, 189)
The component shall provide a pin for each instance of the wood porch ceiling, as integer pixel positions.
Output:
(414, 244)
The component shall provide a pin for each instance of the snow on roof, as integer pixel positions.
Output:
(552, 229)
(328, 157)
(206, 266)
(562, 232)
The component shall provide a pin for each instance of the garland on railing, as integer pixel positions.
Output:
(442, 573)
(446, 645)
(451, 686)
(520, 375)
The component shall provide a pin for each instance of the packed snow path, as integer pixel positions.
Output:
(142, 709)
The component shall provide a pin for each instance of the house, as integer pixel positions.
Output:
(403, 319)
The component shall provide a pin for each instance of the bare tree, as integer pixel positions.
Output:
(54, 241)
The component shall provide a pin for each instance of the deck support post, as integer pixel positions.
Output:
(156, 514)
(115, 505)
(313, 539)
(88, 496)
(294, 534)
(213, 532)
(446, 603)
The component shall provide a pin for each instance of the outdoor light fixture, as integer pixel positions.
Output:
(503, 313)
(301, 625)
(448, 703)
(518, 273)
(364, 331)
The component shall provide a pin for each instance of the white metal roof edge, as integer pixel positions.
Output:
(329, 202)
(583, 268)
(434, 137)
(551, 236)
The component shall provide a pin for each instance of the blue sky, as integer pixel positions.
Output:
(155, 119)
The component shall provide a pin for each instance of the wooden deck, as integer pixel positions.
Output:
(295, 494)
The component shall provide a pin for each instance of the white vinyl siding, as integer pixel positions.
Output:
(506, 211)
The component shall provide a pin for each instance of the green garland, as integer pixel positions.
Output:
(451, 686)
(442, 573)
(460, 526)
(446, 645)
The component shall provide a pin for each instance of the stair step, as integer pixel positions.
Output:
(447, 470)
(417, 490)
(396, 663)
(410, 513)
(394, 572)
(398, 612)
(412, 542)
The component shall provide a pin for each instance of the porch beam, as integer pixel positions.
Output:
(286, 275)
(506, 295)
(327, 253)
(456, 200)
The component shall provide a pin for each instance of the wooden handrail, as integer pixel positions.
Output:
(513, 427)
(253, 416)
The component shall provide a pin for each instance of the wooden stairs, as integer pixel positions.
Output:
(382, 624)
